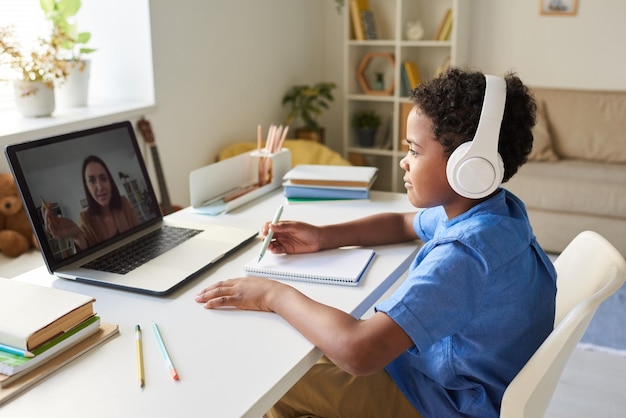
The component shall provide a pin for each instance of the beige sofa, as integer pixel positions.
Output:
(575, 178)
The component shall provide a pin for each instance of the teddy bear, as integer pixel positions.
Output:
(16, 234)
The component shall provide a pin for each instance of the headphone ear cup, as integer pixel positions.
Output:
(473, 176)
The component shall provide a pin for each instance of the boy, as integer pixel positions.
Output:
(480, 295)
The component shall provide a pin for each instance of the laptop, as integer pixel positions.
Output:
(79, 224)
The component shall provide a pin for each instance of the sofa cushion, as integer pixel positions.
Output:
(573, 187)
(586, 125)
(542, 141)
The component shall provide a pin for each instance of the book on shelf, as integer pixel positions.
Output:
(341, 266)
(406, 83)
(445, 25)
(405, 109)
(30, 314)
(385, 142)
(413, 73)
(11, 364)
(443, 67)
(355, 18)
(369, 25)
(12, 386)
(331, 175)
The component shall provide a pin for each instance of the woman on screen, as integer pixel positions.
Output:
(107, 214)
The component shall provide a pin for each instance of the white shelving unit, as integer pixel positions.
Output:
(391, 17)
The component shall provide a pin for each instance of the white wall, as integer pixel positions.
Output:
(584, 51)
(222, 66)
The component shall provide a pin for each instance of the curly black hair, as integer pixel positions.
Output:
(454, 102)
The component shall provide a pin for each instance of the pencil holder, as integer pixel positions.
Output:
(265, 166)
(254, 174)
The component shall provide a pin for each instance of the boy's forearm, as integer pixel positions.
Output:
(381, 229)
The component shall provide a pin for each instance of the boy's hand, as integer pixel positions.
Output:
(250, 293)
(293, 237)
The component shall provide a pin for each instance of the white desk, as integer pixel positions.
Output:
(231, 363)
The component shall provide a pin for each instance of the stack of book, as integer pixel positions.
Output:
(319, 183)
(42, 329)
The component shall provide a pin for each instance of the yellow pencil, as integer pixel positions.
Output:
(139, 355)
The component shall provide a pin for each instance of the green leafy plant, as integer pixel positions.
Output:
(366, 119)
(40, 64)
(71, 43)
(308, 103)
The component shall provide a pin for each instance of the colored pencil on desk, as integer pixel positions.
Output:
(166, 355)
(139, 355)
(14, 350)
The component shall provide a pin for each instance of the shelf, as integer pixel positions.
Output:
(426, 44)
(371, 151)
(391, 18)
(16, 128)
(371, 98)
(377, 42)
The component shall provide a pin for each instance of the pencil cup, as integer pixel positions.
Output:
(265, 167)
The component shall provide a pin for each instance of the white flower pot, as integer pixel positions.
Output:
(74, 90)
(34, 98)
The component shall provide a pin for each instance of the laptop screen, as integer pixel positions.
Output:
(84, 190)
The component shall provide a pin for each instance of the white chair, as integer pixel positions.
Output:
(589, 270)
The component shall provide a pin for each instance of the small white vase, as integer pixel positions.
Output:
(34, 98)
(74, 90)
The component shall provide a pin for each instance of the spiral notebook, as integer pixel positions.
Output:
(342, 266)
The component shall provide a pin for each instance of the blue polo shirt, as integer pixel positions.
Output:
(477, 303)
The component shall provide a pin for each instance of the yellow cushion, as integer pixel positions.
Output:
(303, 151)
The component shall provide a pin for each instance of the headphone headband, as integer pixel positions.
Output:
(475, 169)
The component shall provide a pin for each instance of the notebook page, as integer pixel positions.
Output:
(342, 266)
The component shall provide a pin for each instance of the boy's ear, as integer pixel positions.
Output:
(475, 169)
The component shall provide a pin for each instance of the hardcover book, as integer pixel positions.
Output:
(11, 364)
(30, 314)
(331, 175)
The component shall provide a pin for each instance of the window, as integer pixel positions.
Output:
(28, 23)
(121, 84)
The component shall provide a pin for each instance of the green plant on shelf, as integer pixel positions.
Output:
(366, 119)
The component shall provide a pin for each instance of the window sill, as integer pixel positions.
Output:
(17, 128)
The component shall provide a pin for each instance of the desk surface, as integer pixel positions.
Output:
(231, 363)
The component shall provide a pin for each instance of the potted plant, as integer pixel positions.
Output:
(35, 73)
(308, 103)
(71, 46)
(366, 123)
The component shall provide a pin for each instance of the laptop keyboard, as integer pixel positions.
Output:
(142, 250)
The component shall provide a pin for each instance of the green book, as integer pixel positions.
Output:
(301, 200)
(11, 364)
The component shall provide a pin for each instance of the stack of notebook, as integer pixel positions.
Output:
(42, 329)
(315, 183)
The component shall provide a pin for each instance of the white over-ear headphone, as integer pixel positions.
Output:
(475, 169)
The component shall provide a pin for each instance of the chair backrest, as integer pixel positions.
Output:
(589, 270)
